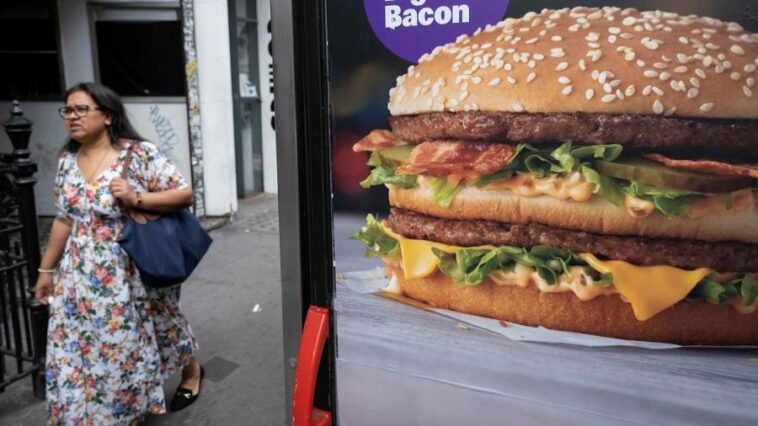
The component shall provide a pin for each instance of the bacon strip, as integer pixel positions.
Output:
(444, 158)
(377, 140)
(707, 166)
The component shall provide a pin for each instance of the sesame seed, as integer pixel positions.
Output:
(695, 82)
(507, 67)
(592, 37)
(629, 55)
(564, 80)
(700, 73)
(750, 82)
(712, 46)
(684, 40)
(737, 49)
(665, 76)
(706, 106)
(595, 55)
(692, 92)
(582, 65)
(538, 56)
(657, 107)
(567, 90)
(747, 91)
(608, 98)
(735, 76)
(463, 95)
(626, 36)
(680, 69)
(531, 63)
(556, 38)
(562, 66)
(674, 85)
(629, 90)
(629, 20)
(749, 68)
(476, 80)
(593, 45)
(612, 39)
(719, 69)
(595, 74)
(727, 65)
(657, 91)
(517, 107)
(531, 77)
(494, 82)
(589, 94)
(651, 45)
(666, 58)
(607, 88)
(661, 65)
(453, 102)
(650, 73)
(707, 61)
(646, 91)
(510, 80)
(620, 94)
(615, 83)
(531, 40)
(670, 111)
(557, 52)
(614, 30)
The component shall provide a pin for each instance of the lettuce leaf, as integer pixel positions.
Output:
(472, 266)
(378, 242)
(744, 287)
(383, 173)
(671, 202)
(606, 187)
(442, 192)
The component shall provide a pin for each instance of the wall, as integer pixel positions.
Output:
(216, 112)
(165, 124)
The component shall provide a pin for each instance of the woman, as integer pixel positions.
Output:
(111, 341)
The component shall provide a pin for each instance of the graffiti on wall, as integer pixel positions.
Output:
(167, 137)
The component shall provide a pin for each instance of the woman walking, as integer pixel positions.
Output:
(111, 341)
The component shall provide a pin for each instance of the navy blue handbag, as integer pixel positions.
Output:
(165, 248)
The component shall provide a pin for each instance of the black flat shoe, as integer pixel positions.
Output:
(183, 396)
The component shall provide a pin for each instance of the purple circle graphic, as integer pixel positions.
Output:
(410, 28)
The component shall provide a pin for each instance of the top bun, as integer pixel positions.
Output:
(607, 61)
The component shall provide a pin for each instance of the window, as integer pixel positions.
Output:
(29, 60)
(140, 52)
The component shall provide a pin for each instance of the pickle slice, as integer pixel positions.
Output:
(655, 174)
(396, 154)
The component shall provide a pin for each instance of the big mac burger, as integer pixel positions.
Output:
(591, 170)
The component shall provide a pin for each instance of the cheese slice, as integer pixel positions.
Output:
(417, 257)
(650, 289)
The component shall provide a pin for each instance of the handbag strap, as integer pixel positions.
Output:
(128, 160)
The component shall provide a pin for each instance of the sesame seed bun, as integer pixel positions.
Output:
(608, 61)
(691, 323)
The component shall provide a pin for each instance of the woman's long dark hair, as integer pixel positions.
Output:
(109, 103)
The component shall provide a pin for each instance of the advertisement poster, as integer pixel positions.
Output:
(546, 212)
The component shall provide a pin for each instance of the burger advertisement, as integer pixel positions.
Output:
(584, 172)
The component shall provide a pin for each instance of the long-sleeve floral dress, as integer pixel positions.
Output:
(111, 341)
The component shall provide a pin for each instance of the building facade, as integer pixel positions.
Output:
(193, 74)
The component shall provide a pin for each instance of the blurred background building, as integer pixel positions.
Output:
(196, 77)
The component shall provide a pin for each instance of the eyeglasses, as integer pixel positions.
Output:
(76, 111)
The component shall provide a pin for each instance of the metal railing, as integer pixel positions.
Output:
(23, 320)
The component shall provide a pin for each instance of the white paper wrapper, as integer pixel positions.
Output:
(374, 281)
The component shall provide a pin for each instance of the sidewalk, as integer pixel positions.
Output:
(233, 302)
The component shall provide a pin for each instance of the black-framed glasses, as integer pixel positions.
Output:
(76, 111)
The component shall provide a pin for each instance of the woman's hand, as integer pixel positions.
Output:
(43, 288)
(121, 189)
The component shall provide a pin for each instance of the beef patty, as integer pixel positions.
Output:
(687, 254)
(718, 138)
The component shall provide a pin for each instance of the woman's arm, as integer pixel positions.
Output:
(159, 202)
(59, 233)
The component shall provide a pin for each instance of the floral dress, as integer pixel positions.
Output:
(111, 341)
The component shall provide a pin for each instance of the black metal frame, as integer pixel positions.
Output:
(19, 259)
(304, 172)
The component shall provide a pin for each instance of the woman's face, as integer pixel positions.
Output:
(83, 120)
